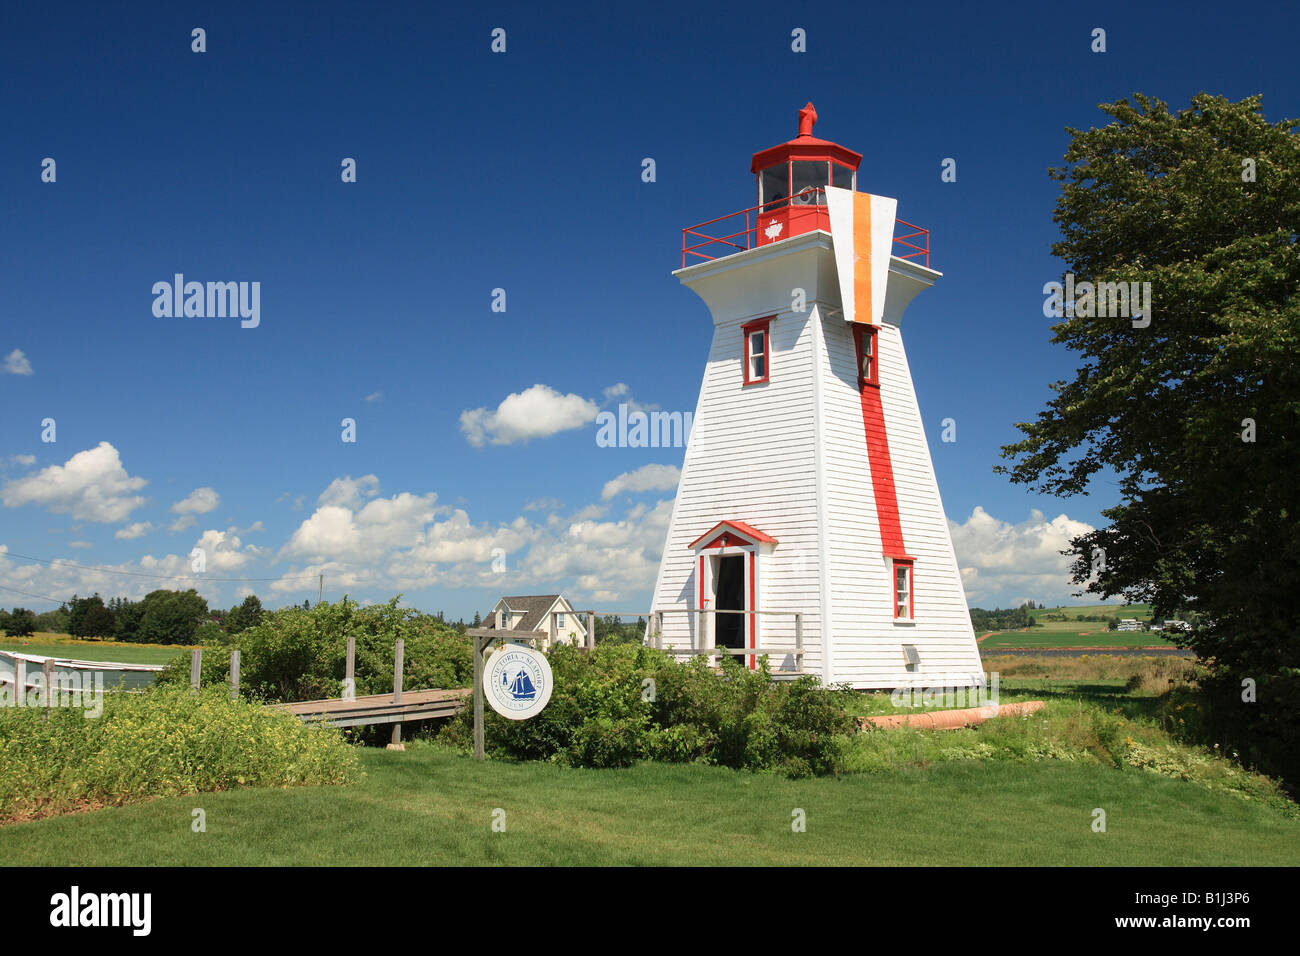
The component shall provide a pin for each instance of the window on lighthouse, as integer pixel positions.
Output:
(774, 186)
(758, 347)
(868, 359)
(808, 182)
(903, 589)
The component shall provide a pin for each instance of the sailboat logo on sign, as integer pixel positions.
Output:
(517, 681)
(521, 688)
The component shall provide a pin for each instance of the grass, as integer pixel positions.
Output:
(431, 806)
(1012, 791)
(46, 644)
(1076, 633)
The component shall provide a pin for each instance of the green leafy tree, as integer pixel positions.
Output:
(129, 614)
(245, 615)
(171, 617)
(88, 617)
(21, 623)
(1195, 416)
(1205, 518)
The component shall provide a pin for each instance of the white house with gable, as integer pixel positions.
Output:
(531, 614)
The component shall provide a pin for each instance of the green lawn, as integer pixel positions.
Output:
(430, 806)
(48, 645)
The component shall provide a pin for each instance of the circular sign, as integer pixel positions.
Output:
(517, 682)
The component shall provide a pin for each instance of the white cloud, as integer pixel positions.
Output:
(80, 544)
(91, 486)
(348, 492)
(536, 412)
(1007, 564)
(374, 396)
(615, 390)
(198, 502)
(408, 542)
(645, 478)
(181, 523)
(132, 531)
(340, 530)
(24, 460)
(223, 550)
(544, 504)
(17, 363)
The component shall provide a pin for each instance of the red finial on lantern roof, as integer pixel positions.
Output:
(807, 119)
(806, 146)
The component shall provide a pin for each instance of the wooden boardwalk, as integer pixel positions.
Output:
(381, 708)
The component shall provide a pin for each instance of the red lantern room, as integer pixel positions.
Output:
(792, 181)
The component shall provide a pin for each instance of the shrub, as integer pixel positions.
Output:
(1264, 733)
(601, 714)
(296, 654)
(159, 742)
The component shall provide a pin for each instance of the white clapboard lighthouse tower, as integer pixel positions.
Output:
(807, 484)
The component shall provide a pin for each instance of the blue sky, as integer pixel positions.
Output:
(519, 171)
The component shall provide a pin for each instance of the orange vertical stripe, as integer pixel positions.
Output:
(862, 310)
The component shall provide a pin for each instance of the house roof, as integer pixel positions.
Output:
(748, 531)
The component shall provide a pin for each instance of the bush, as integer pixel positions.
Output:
(160, 742)
(296, 654)
(1264, 734)
(602, 713)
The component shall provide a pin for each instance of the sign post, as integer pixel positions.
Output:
(482, 637)
(516, 680)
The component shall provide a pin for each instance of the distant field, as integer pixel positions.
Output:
(1077, 633)
(61, 645)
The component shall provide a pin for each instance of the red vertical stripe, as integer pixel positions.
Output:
(882, 469)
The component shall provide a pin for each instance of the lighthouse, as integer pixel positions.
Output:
(807, 497)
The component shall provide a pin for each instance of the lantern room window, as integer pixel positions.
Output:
(774, 187)
(757, 351)
(808, 182)
(903, 603)
(868, 355)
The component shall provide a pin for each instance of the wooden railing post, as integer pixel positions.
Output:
(591, 629)
(659, 630)
(399, 658)
(798, 641)
(350, 671)
(555, 626)
(234, 674)
(196, 667)
(47, 678)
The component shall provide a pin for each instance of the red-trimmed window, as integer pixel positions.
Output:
(904, 601)
(757, 351)
(864, 337)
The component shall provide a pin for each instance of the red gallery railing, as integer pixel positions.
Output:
(915, 242)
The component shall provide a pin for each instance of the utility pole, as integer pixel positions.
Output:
(321, 593)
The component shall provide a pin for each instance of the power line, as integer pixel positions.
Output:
(144, 574)
(41, 597)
